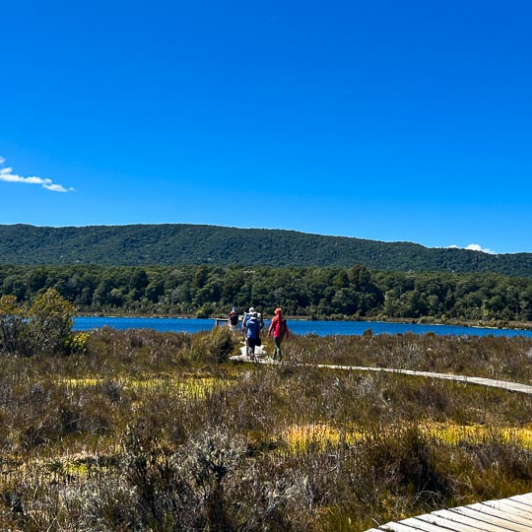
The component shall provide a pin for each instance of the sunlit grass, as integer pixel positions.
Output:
(317, 437)
(75, 383)
(478, 434)
(191, 386)
(320, 436)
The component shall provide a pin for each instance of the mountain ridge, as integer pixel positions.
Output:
(195, 244)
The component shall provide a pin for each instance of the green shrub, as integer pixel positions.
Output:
(43, 328)
(77, 342)
(50, 321)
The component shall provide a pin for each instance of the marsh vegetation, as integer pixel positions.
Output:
(140, 430)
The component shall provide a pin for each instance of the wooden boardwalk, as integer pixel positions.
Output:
(504, 515)
(481, 381)
(494, 383)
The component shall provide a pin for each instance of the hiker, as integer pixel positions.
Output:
(279, 329)
(252, 329)
(245, 320)
(233, 320)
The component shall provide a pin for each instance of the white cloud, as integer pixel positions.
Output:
(476, 247)
(7, 175)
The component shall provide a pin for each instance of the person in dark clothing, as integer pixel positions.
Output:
(233, 319)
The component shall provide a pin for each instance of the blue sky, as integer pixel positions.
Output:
(378, 119)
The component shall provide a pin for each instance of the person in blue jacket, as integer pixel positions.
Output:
(253, 327)
(246, 317)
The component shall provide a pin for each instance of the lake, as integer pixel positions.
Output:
(321, 328)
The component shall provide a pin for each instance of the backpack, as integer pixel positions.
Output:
(253, 327)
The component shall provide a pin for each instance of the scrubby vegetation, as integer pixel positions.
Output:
(161, 431)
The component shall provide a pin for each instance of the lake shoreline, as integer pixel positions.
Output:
(488, 324)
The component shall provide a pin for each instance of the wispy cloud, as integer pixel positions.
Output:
(7, 175)
(477, 247)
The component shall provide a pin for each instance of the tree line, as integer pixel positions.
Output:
(319, 293)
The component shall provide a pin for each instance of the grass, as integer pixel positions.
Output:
(150, 431)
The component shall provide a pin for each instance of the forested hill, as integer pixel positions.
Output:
(180, 244)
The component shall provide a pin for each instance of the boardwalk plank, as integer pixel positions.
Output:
(453, 516)
(397, 527)
(520, 505)
(431, 523)
(510, 509)
(493, 517)
(474, 518)
(523, 499)
(493, 508)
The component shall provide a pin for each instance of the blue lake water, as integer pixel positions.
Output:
(321, 328)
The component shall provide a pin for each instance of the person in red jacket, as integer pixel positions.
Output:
(279, 329)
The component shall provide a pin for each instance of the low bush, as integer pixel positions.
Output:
(45, 327)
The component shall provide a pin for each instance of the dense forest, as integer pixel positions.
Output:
(180, 244)
(205, 291)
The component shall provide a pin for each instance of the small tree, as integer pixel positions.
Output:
(12, 324)
(50, 322)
